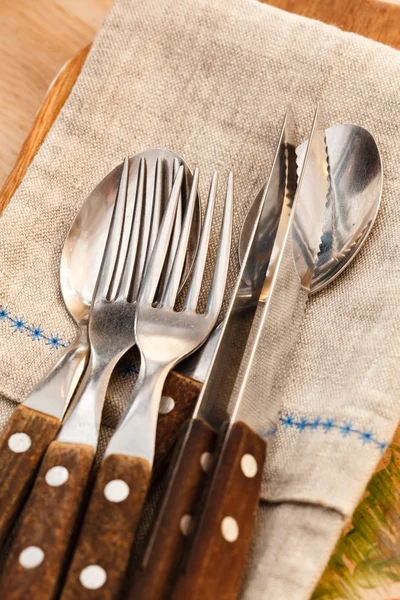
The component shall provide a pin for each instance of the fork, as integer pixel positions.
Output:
(46, 529)
(164, 336)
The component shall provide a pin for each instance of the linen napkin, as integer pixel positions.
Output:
(210, 79)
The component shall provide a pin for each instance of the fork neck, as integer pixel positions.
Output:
(83, 423)
(136, 431)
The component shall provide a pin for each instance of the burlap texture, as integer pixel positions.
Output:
(210, 79)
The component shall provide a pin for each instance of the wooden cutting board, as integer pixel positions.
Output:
(366, 562)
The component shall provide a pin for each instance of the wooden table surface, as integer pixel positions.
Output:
(36, 39)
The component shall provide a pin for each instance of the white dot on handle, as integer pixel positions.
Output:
(19, 442)
(93, 577)
(116, 490)
(186, 525)
(248, 465)
(167, 405)
(57, 476)
(230, 529)
(31, 557)
(206, 461)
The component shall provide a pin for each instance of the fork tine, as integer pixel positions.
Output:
(157, 196)
(175, 236)
(128, 272)
(177, 228)
(152, 192)
(175, 276)
(199, 265)
(216, 295)
(156, 264)
(112, 248)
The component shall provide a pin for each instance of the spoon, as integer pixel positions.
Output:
(34, 423)
(354, 195)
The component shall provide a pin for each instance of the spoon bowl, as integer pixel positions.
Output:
(85, 242)
(354, 195)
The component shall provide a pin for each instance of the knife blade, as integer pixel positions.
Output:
(191, 460)
(226, 518)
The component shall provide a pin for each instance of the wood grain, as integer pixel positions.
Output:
(377, 20)
(187, 476)
(48, 524)
(217, 558)
(52, 104)
(109, 526)
(184, 392)
(17, 468)
(36, 39)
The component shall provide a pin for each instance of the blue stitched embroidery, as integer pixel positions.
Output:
(346, 429)
(302, 424)
(55, 342)
(19, 325)
(366, 437)
(327, 425)
(315, 424)
(36, 333)
(287, 421)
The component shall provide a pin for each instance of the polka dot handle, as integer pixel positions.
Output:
(38, 552)
(22, 445)
(102, 553)
(217, 557)
(189, 469)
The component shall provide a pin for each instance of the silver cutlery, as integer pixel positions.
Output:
(354, 195)
(175, 519)
(226, 517)
(39, 549)
(35, 423)
(164, 336)
(192, 458)
(224, 525)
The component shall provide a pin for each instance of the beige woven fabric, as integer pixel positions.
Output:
(210, 79)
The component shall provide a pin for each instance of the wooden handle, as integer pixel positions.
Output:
(187, 477)
(179, 399)
(22, 445)
(39, 550)
(217, 558)
(105, 542)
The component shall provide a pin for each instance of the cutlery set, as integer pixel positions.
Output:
(132, 273)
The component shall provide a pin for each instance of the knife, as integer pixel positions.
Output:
(225, 518)
(193, 453)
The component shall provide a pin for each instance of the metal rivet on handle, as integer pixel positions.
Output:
(186, 525)
(230, 529)
(206, 461)
(116, 490)
(19, 442)
(167, 405)
(57, 476)
(248, 465)
(31, 557)
(93, 577)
